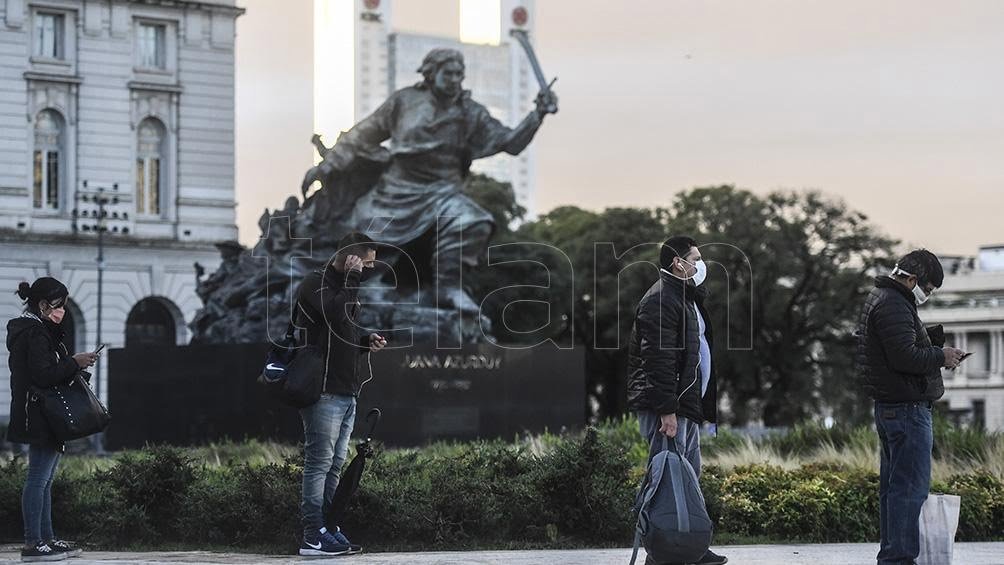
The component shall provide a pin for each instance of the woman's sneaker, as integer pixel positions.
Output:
(340, 538)
(65, 547)
(322, 545)
(41, 552)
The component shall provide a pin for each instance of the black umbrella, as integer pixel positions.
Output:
(349, 482)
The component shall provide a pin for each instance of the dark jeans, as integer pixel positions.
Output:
(905, 479)
(327, 427)
(36, 499)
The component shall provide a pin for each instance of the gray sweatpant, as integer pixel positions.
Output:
(688, 436)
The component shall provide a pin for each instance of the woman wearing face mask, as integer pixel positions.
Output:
(39, 359)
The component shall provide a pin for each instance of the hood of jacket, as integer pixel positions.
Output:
(19, 325)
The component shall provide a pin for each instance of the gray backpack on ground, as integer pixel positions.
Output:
(673, 522)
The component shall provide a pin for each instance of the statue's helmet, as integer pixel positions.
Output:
(436, 59)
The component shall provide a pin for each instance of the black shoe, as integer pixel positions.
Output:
(66, 547)
(712, 558)
(41, 552)
(340, 538)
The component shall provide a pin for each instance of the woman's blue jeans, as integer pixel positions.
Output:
(36, 499)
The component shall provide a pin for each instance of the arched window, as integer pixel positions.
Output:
(73, 328)
(150, 323)
(47, 160)
(149, 173)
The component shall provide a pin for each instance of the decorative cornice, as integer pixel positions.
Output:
(8, 236)
(49, 77)
(207, 202)
(235, 11)
(158, 87)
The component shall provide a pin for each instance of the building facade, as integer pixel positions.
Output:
(970, 305)
(498, 76)
(115, 116)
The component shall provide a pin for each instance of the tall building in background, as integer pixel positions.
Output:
(970, 304)
(133, 102)
(498, 76)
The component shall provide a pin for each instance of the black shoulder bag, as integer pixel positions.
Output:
(71, 409)
(295, 373)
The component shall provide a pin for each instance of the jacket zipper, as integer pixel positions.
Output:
(697, 368)
(27, 395)
(327, 360)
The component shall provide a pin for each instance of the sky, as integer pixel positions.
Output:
(896, 106)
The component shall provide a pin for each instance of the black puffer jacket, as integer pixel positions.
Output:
(895, 359)
(37, 357)
(329, 302)
(664, 351)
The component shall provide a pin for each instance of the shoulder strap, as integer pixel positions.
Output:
(637, 544)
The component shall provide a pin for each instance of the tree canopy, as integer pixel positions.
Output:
(787, 274)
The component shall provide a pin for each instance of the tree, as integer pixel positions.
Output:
(788, 273)
(799, 271)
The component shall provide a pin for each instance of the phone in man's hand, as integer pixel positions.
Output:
(98, 350)
(965, 356)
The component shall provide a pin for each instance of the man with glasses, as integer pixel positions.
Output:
(900, 369)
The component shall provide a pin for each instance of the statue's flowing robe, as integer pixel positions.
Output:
(431, 147)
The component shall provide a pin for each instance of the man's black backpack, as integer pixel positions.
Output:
(294, 372)
(673, 522)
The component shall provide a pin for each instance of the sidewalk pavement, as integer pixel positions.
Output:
(821, 554)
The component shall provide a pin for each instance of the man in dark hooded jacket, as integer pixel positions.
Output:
(900, 369)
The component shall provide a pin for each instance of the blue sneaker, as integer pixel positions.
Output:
(322, 545)
(340, 538)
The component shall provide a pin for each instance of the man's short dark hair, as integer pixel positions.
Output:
(355, 243)
(676, 246)
(925, 265)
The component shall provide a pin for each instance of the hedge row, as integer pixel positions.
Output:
(486, 495)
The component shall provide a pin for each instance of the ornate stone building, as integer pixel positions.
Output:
(130, 102)
(970, 304)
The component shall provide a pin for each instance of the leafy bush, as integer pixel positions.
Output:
(243, 505)
(559, 491)
(982, 515)
(744, 497)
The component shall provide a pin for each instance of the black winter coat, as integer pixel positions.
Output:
(664, 350)
(328, 306)
(895, 359)
(37, 358)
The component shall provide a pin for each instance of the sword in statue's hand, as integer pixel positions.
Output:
(550, 103)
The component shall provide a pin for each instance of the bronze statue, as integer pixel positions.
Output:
(435, 130)
(406, 194)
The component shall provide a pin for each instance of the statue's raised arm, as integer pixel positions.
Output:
(399, 173)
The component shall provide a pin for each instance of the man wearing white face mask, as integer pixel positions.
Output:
(900, 368)
(671, 382)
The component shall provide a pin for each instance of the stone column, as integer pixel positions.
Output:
(996, 345)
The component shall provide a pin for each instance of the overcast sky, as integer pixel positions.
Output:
(896, 106)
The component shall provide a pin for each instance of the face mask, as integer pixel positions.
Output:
(56, 313)
(918, 293)
(702, 271)
(57, 316)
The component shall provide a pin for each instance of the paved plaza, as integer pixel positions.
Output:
(822, 554)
